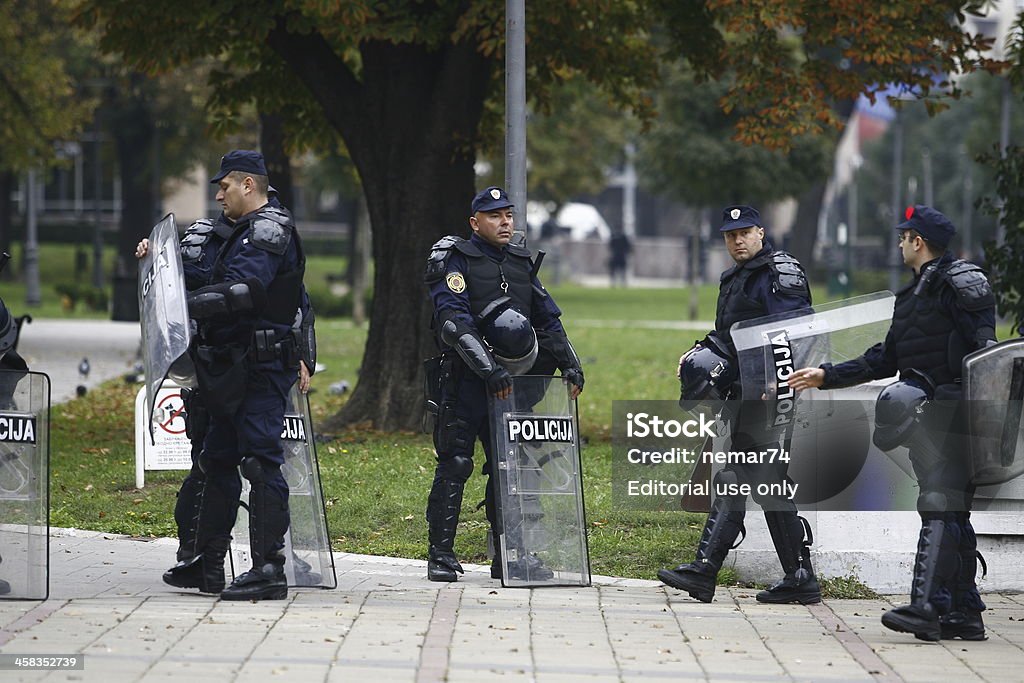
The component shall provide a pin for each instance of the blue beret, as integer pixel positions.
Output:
(929, 224)
(243, 160)
(736, 217)
(490, 199)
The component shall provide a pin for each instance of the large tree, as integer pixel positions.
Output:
(405, 83)
(39, 106)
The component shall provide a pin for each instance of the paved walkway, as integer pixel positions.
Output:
(386, 622)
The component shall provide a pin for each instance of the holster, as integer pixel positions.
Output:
(264, 349)
(197, 417)
(222, 372)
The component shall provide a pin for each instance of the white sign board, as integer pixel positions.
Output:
(170, 448)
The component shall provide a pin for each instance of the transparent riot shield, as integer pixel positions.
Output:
(163, 308)
(538, 485)
(826, 435)
(993, 386)
(24, 485)
(309, 562)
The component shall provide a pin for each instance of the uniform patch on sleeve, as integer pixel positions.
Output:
(456, 282)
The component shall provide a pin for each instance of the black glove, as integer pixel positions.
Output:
(499, 380)
(574, 376)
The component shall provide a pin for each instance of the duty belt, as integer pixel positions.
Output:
(265, 349)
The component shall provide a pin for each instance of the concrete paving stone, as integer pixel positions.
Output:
(379, 674)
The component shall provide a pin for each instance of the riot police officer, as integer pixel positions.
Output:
(762, 282)
(944, 313)
(493, 319)
(246, 358)
(202, 547)
(9, 360)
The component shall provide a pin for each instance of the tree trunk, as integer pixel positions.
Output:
(278, 165)
(804, 235)
(410, 125)
(134, 132)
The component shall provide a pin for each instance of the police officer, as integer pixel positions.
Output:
(201, 556)
(945, 312)
(246, 359)
(493, 319)
(762, 282)
(9, 360)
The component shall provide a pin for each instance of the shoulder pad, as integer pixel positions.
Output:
(270, 235)
(201, 227)
(519, 250)
(437, 262)
(788, 275)
(277, 214)
(469, 249)
(973, 291)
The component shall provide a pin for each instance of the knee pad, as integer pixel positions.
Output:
(456, 468)
(252, 469)
(213, 468)
(726, 478)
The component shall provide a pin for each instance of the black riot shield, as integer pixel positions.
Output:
(993, 386)
(24, 485)
(539, 485)
(163, 309)
(309, 562)
(826, 435)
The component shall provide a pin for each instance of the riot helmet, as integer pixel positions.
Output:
(899, 407)
(705, 373)
(510, 335)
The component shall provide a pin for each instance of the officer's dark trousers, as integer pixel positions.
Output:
(463, 419)
(253, 431)
(947, 495)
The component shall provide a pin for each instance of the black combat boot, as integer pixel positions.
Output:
(964, 618)
(526, 567)
(920, 617)
(443, 508)
(966, 625)
(268, 523)
(799, 585)
(723, 526)
(205, 516)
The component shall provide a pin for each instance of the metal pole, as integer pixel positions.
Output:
(515, 113)
(895, 261)
(33, 296)
(97, 229)
(1004, 143)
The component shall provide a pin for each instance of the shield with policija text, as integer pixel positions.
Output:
(825, 434)
(993, 386)
(24, 485)
(163, 309)
(538, 483)
(307, 543)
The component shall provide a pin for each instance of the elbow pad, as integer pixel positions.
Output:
(307, 341)
(227, 299)
(470, 347)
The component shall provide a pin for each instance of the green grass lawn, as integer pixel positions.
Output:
(376, 484)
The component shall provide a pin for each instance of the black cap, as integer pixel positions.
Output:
(929, 224)
(243, 160)
(490, 199)
(736, 217)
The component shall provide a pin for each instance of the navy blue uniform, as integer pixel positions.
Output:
(465, 277)
(931, 333)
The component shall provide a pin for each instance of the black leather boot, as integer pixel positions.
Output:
(799, 585)
(205, 516)
(527, 567)
(268, 523)
(443, 508)
(920, 617)
(723, 526)
(966, 625)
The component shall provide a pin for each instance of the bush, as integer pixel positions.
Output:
(72, 294)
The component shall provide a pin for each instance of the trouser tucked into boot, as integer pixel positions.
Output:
(721, 530)
(791, 535)
(268, 523)
(444, 506)
(933, 567)
(205, 512)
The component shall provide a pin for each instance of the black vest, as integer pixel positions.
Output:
(485, 277)
(734, 305)
(923, 331)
